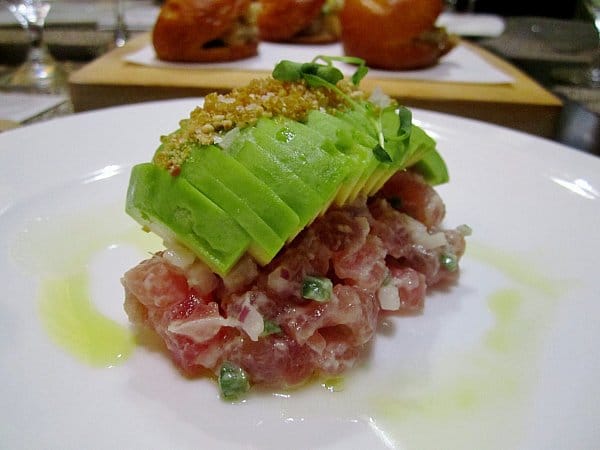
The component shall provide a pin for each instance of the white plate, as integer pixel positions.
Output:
(506, 358)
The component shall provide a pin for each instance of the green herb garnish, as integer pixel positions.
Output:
(270, 327)
(233, 381)
(317, 288)
(449, 261)
(381, 154)
(392, 133)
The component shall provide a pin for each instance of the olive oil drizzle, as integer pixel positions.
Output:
(488, 385)
(76, 325)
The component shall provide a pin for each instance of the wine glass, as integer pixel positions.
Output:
(121, 34)
(587, 76)
(40, 72)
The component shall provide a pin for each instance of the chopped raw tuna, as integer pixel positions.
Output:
(380, 255)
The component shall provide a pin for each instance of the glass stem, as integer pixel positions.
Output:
(595, 63)
(36, 37)
(121, 34)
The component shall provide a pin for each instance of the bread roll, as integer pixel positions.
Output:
(204, 31)
(299, 21)
(394, 34)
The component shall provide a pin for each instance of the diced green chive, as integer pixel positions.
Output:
(449, 261)
(270, 327)
(317, 288)
(233, 381)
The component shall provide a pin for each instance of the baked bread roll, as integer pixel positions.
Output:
(394, 34)
(299, 21)
(204, 31)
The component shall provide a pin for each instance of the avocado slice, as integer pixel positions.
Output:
(352, 136)
(340, 131)
(307, 160)
(250, 189)
(172, 208)
(265, 242)
(355, 144)
(285, 183)
(432, 166)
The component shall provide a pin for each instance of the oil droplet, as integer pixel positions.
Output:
(75, 325)
(334, 384)
(285, 135)
(518, 270)
(61, 262)
(504, 305)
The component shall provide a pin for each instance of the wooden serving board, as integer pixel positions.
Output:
(522, 105)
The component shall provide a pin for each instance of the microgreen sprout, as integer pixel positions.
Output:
(390, 141)
(360, 72)
(381, 154)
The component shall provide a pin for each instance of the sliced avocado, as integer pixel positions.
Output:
(354, 158)
(431, 165)
(358, 121)
(265, 242)
(322, 171)
(285, 183)
(354, 143)
(342, 132)
(252, 190)
(358, 136)
(174, 209)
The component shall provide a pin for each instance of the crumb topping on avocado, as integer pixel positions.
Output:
(242, 107)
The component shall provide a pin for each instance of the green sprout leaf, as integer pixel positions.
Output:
(292, 71)
(357, 76)
(392, 125)
(287, 71)
(381, 154)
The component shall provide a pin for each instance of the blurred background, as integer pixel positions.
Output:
(76, 30)
(541, 39)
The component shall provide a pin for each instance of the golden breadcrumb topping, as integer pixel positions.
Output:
(242, 107)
